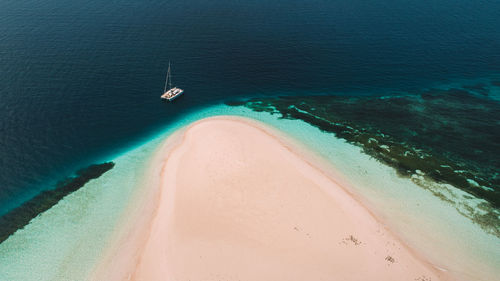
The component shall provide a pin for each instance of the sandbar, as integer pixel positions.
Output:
(235, 202)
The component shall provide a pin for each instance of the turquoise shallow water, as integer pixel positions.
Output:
(67, 241)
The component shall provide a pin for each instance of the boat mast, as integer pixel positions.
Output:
(167, 81)
(170, 83)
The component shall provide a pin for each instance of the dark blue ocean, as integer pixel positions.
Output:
(81, 80)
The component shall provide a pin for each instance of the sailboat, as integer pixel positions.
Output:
(171, 93)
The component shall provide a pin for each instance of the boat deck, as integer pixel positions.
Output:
(172, 93)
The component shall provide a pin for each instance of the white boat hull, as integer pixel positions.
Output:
(172, 94)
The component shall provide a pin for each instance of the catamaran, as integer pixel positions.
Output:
(171, 93)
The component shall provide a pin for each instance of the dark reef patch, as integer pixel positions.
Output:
(449, 136)
(22, 215)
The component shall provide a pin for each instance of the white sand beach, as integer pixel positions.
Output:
(236, 203)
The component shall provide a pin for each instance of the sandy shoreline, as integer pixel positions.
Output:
(234, 203)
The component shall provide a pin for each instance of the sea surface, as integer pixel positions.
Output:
(80, 80)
